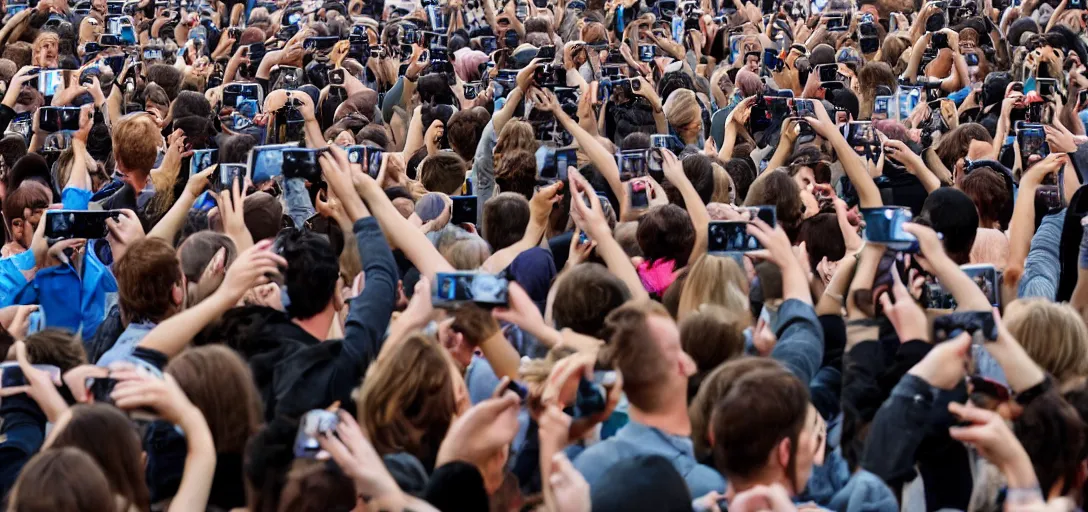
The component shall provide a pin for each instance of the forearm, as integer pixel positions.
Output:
(196, 481)
(414, 141)
(831, 301)
(414, 244)
(1079, 299)
(502, 356)
(601, 158)
(507, 111)
(314, 137)
(928, 179)
(114, 103)
(1020, 370)
(968, 295)
(78, 178)
(868, 193)
(504, 257)
(620, 265)
(373, 307)
(1021, 228)
(231, 71)
(168, 226)
(700, 217)
(730, 138)
(781, 154)
(936, 166)
(172, 335)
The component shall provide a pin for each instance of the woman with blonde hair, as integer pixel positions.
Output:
(46, 48)
(685, 116)
(714, 280)
(1053, 334)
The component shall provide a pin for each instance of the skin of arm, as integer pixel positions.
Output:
(598, 155)
(402, 234)
(1022, 223)
(852, 164)
(915, 63)
(700, 217)
(200, 458)
(540, 207)
(415, 134)
(596, 227)
(830, 302)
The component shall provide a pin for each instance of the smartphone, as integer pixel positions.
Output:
(237, 92)
(1032, 140)
(881, 107)
(319, 44)
(314, 423)
(370, 158)
(11, 375)
(646, 52)
(58, 119)
(555, 164)
(302, 163)
(464, 210)
(771, 61)
(265, 163)
(488, 44)
(225, 177)
(1047, 87)
(632, 163)
(116, 63)
(638, 194)
(546, 53)
(257, 51)
(975, 323)
(971, 58)
(49, 81)
(729, 237)
(69, 224)
(836, 23)
(336, 77)
(669, 142)
(987, 279)
(202, 159)
(1051, 192)
(828, 72)
(802, 108)
(884, 225)
(110, 40)
(938, 40)
(453, 288)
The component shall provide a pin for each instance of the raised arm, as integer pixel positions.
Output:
(540, 208)
(852, 164)
(168, 226)
(601, 158)
(700, 218)
(1022, 224)
(968, 295)
(590, 218)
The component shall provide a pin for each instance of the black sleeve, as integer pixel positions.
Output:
(457, 486)
(6, 115)
(834, 340)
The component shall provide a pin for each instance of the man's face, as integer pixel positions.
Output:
(47, 54)
(667, 334)
(23, 229)
(752, 63)
(99, 5)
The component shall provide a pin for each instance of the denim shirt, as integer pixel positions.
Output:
(638, 439)
(126, 343)
(1042, 268)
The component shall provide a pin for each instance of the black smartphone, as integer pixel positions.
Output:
(225, 177)
(939, 40)
(336, 76)
(638, 192)
(1032, 140)
(319, 43)
(556, 164)
(546, 53)
(633, 164)
(464, 210)
(453, 288)
(972, 322)
(69, 224)
(58, 119)
(828, 72)
(302, 163)
(370, 158)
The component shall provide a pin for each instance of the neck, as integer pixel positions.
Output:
(739, 484)
(139, 180)
(672, 418)
(317, 325)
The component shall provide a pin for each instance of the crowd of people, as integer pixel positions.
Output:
(561, 255)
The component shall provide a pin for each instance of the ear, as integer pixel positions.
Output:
(782, 453)
(178, 293)
(338, 298)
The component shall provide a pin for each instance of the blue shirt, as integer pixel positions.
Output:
(126, 342)
(638, 439)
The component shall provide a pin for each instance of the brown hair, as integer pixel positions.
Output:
(146, 277)
(505, 218)
(954, 145)
(517, 173)
(714, 280)
(56, 347)
(121, 458)
(755, 413)
(987, 190)
(19, 52)
(665, 233)
(444, 172)
(199, 249)
(634, 351)
(584, 296)
(465, 129)
(714, 386)
(136, 143)
(406, 402)
(711, 335)
(30, 194)
(219, 383)
(313, 486)
(515, 134)
(777, 188)
(61, 479)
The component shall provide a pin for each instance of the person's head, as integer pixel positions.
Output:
(951, 213)
(315, 485)
(198, 250)
(407, 400)
(683, 114)
(777, 188)
(764, 431)
(699, 170)
(23, 209)
(263, 215)
(87, 427)
(823, 239)
(988, 191)
(218, 382)
(46, 49)
(55, 347)
(517, 173)
(712, 335)
(150, 285)
(714, 280)
(19, 52)
(515, 134)
(743, 174)
(166, 76)
(311, 275)
(444, 172)
(505, 218)
(234, 149)
(464, 130)
(715, 385)
(665, 233)
(584, 296)
(136, 141)
(85, 486)
(724, 190)
(643, 342)
(1053, 334)
(467, 253)
(961, 142)
(375, 135)
(1053, 435)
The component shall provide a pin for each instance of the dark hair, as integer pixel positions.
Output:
(31, 194)
(517, 173)
(699, 170)
(263, 215)
(375, 134)
(235, 148)
(822, 237)
(954, 145)
(444, 172)
(634, 351)
(166, 76)
(121, 459)
(85, 487)
(584, 296)
(505, 218)
(199, 249)
(537, 24)
(1053, 435)
(951, 213)
(56, 347)
(146, 277)
(465, 129)
(754, 415)
(189, 103)
(665, 233)
(219, 383)
(313, 485)
(311, 274)
(778, 189)
(987, 190)
(742, 173)
(434, 88)
(635, 140)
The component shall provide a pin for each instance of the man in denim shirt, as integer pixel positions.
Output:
(644, 346)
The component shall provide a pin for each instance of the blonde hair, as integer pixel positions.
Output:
(1053, 334)
(41, 40)
(682, 109)
(468, 253)
(723, 184)
(715, 280)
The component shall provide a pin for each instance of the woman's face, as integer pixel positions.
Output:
(752, 63)
(47, 54)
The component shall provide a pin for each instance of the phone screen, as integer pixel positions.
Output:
(730, 236)
(69, 224)
(481, 289)
(884, 225)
